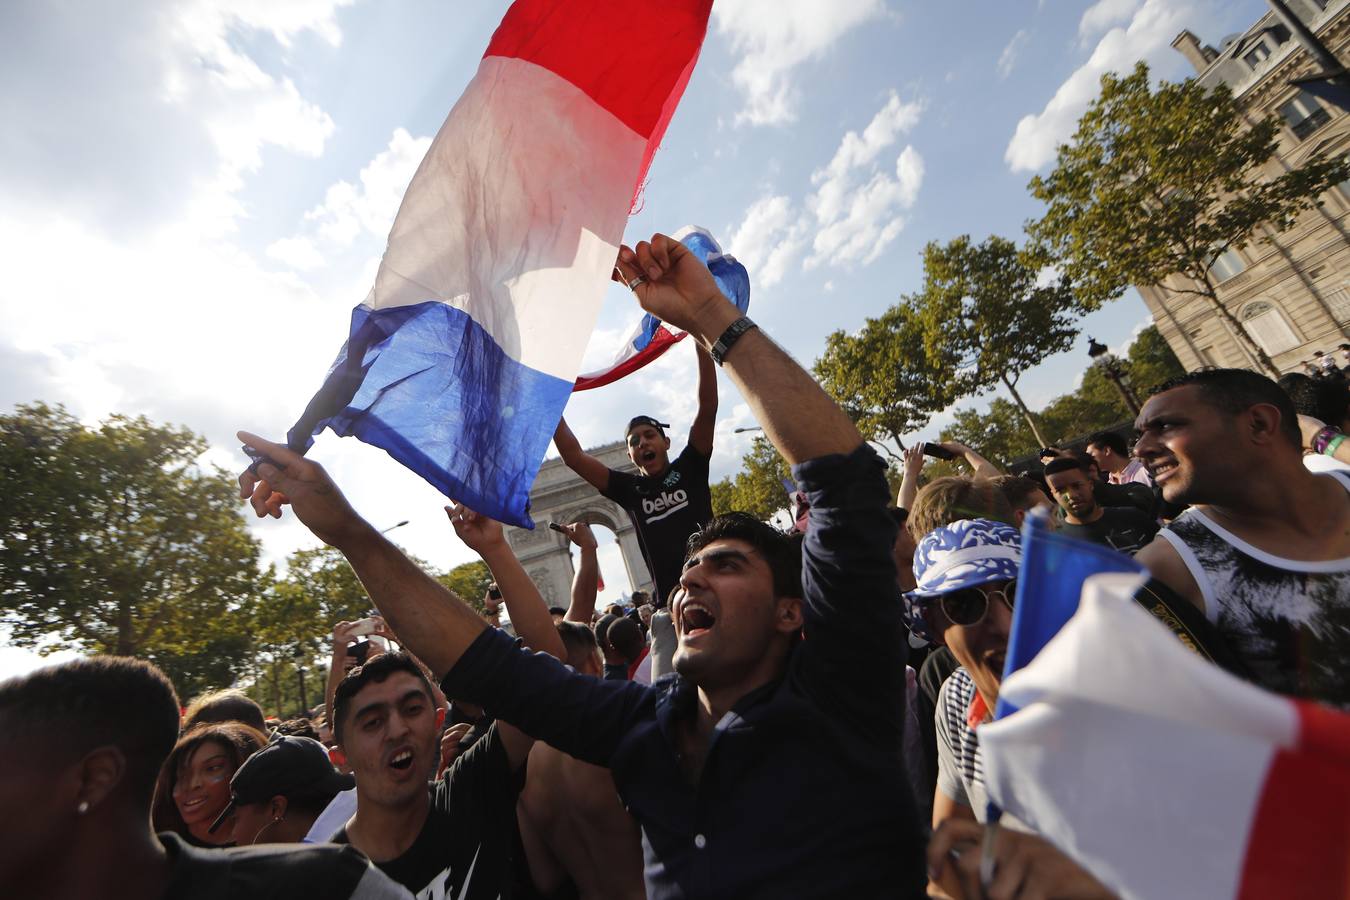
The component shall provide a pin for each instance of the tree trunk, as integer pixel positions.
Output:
(126, 636)
(1026, 413)
(1240, 334)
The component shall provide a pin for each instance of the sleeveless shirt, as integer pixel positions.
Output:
(1288, 620)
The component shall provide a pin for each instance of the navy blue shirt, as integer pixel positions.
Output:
(803, 790)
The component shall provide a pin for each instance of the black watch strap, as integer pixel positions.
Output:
(723, 344)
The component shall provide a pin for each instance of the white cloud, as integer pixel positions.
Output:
(773, 37)
(1104, 14)
(297, 252)
(1007, 60)
(350, 210)
(854, 211)
(1148, 35)
(769, 240)
(856, 204)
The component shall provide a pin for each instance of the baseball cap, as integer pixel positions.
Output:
(645, 420)
(962, 554)
(289, 766)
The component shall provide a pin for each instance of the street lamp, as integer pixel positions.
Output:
(744, 430)
(1110, 365)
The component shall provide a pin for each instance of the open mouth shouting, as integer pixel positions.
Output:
(696, 619)
(401, 760)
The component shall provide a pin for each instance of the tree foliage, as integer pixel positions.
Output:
(989, 306)
(758, 488)
(1000, 434)
(1160, 183)
(113, 539)
(469, 581)
(885, 378)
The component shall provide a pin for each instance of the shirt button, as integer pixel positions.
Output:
(700, 841)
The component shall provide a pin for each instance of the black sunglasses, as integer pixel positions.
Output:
(969, 606)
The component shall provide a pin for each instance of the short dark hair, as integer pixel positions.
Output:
(1111, 441)
(1064, 464)
(224, 706)
(87, 703)
(641, 597)
(899, 515)
(578, 641)
(373, 672)
(557, 611)
(1234, 391)
(625, 636)
(782, 552)
(298, 727)
(1018, 489)
(240, 742)
(602, 627)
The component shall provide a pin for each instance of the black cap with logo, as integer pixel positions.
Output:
(290, 767)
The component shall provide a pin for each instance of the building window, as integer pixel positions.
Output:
(1269, 328)
(1226, 265)
(1257, 55)
(1304, 114)
(1339, 301)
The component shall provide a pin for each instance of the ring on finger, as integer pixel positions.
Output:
(635, 281)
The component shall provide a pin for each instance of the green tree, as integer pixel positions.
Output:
(1161, 183)
(114, 539)
(989, 306)
(883, 377)
(470, 581)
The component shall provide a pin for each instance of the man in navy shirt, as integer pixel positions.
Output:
(770, 763)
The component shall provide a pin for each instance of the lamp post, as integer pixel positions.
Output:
(1111, 368)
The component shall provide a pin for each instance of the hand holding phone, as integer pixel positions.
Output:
(937, 451)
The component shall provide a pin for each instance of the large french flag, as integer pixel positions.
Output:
(1163, 774)
(460, 360)
(650, 340)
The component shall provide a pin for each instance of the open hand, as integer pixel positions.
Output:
(286, 477)
(914, 458)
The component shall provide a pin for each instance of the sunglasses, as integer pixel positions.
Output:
(969, 606)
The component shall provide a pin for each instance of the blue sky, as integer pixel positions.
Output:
(193, 194)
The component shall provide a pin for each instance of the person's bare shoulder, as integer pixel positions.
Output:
(1165, 564)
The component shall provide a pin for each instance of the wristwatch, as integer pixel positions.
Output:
(723, 344)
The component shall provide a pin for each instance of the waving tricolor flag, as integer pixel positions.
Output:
(1163, 774)
(652, 338)
(461, 358)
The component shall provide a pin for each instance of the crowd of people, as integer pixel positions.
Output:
(787, 714)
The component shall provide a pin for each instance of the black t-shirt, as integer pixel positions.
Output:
(281, 871)
(665, 511)
(1122, 527)
(469, 836)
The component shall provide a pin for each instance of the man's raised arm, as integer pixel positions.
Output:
(701, 432)
(577, 459)
(586, 584)
(798, 417)
(434, 624)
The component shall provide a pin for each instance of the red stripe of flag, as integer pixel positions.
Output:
(661, 341)
(1299, 845)
(610, 49)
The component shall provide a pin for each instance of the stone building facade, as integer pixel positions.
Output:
(1290, 291)
(562, 496)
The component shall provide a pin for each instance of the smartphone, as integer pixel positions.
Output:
(359, 651)
(494, 592)
(365, 626)
(937, 452)
(556, 527)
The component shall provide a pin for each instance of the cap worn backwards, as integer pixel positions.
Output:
(645, 420)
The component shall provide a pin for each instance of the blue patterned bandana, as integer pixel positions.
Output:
(966, 553)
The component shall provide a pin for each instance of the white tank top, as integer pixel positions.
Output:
(1288, 620)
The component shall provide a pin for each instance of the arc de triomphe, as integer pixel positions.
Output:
(560, 495)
